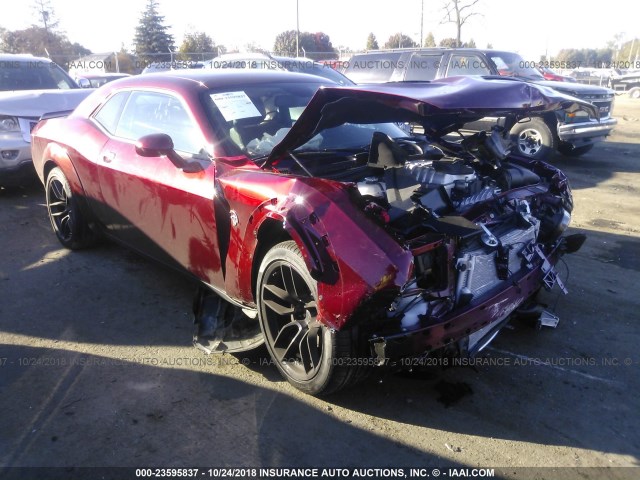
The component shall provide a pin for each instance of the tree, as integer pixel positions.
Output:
(126, 62)
(152, 40)
(470, 44)
(46, 15)
(586, 57)
(40, 42)
(458, 12)
(448, 43)
(312, 45)
(400, 40)
(372, 42)
(629, 51)
(430, 40)
(196, 43)
(489, 46)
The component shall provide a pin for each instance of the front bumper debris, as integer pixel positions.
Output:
(477, 324)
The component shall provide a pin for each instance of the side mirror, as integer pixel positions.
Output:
(155, 145)
(161, 145)
(84, 83)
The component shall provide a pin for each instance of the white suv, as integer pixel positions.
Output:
(29, 87)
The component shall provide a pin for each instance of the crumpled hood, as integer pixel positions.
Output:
(574, 88)
(35, 103)
(439, 106)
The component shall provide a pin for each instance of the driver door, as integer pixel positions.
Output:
(151, 204)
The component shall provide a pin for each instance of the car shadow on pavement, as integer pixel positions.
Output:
(600, 164)
(101, 299)
(68, 409)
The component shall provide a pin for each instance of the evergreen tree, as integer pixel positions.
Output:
(152, 40)
(430, 40)
(372, 42)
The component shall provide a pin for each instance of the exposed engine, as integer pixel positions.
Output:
(460, 253)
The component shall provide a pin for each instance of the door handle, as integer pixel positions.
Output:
(108, 157)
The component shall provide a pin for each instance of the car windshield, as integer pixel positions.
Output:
(257, 117)
(33, 75)
(512, 65)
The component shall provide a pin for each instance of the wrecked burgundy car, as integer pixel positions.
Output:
(313, 222)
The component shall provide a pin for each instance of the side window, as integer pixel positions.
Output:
(467, 65)
(372, 68)
(151, 112)
(423, 67)
(109, 113)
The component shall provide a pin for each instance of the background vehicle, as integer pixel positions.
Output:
(157, 67)
(332, 237)
(270, 62)
(628, 82)
(549, 74)
(536, 137)
(29, 87)
(96, 80)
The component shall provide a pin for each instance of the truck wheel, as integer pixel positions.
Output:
(569, 151)
(66, 218)
(533, 138)
(634, 92)
(311, 356)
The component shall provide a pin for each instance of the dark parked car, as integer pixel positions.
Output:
(313, 222)
(537, 136)
(627, 82)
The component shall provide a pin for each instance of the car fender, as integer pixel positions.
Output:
(349, 256)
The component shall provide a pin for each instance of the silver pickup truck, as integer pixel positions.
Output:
(569, 133)
(29, 88)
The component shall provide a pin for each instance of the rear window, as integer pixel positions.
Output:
(373, 68)
(467, 65)
(423, 67)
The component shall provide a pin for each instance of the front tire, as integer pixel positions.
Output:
(308, 354)
(534, 139)
(66, 218)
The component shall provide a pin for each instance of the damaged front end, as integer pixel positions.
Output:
(485, 232)
(484, 228)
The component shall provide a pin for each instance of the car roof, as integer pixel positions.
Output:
(188, 78)
(189, 81)
(22, 57)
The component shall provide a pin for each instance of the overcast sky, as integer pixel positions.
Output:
(531, 28)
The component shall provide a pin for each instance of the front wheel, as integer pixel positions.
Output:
(66, 218)
(308, 354)
(534, 138)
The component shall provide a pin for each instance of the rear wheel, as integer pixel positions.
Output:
(66, 218)
(534, 138)
(634, 92)
(311, 356)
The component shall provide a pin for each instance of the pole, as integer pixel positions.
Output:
(297, 29)
(421, 24)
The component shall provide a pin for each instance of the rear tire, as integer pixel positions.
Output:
(309, 355)
(634, 92)
(64, 213)
(534, 139)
